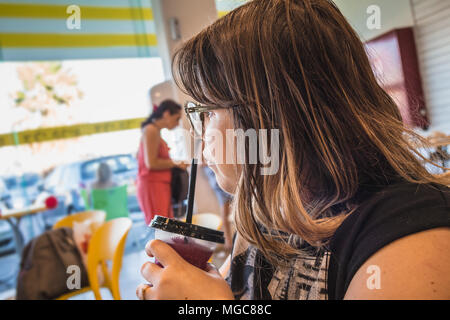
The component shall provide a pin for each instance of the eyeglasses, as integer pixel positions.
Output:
(196, 114)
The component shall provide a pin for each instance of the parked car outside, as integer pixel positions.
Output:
(6, 234)
(5, 195)
(22, 190)
(68, 179)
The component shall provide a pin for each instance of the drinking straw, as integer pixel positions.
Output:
(191, 190)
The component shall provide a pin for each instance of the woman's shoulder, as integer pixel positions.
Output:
(405, 197)
(400, 205)
(151, 132)
(151, 128)
(397, 211)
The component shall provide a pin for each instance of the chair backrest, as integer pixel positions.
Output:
(85, 196)
(208, 220)
(107, 243)
(96, 216)
(114, 201)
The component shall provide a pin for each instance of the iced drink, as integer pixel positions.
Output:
(194, 243)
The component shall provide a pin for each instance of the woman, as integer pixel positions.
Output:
(351, 195)
(154, 173)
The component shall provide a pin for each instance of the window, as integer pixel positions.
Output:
(98, 73)
(83, 29)
(126, 163)
(11, 183)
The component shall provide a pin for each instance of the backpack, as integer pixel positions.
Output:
(44, 266)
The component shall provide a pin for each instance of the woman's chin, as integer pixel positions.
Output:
(224, 184)
(223, 180)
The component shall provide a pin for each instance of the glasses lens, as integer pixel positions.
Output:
(197, 122)
(196, 119)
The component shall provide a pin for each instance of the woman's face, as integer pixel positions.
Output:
(215, 153)
(172, 120)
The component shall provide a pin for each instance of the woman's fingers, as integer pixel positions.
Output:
(151, 272)
(140, 291)
(147, 249)
(164, 253)
(145, 292)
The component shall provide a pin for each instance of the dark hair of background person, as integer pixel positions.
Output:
(166, 105)
(298, 66)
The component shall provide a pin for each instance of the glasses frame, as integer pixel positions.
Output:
(199, 109)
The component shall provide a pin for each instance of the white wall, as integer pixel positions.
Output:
(432, 32)
(193, 16)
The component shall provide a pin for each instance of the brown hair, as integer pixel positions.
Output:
(298, 66)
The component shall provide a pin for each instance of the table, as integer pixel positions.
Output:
(13, 218)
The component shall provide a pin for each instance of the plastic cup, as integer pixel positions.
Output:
(193, 243)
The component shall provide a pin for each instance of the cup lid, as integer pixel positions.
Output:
(187, 229)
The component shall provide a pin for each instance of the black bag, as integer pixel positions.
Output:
(44, 266)
(179, 185)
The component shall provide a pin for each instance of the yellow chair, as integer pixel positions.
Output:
(97, 216)
(107, 243)
(208, 220)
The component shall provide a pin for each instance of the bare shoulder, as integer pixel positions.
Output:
(150, 131)
(413, 267)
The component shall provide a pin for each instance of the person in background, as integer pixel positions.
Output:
(104, 177)
(154, 163)
(224, 202)
(104, 180)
